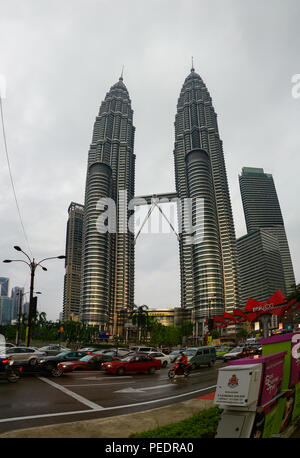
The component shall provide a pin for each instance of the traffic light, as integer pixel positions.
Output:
(210, 324)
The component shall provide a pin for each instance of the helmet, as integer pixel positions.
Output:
(182, 353)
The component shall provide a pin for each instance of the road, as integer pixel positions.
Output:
(39, 400)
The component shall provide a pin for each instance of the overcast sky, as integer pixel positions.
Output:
(60, 58)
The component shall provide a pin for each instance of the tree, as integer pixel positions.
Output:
(186, 330)
(242, 333)
(215, 334)
(295, 294)
(158, 334)
(140, 317)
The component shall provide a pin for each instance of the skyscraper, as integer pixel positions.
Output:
(209, 266)
(72, 280)
(4, 284)
(260, 266)
(17, 301)
(5, 310)
(108, 258)
(209, 282)
(262, 210)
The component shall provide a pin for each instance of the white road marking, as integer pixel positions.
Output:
(103, 378)
(78, 398)
(99, 384)
(141, 390)
(32, 417)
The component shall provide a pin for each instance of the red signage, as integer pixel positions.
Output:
(275, 305)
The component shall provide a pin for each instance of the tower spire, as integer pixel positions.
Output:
(121, 77)
(192, 69)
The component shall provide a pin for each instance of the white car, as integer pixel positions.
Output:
(25, 354)
(53, 350)
(165, 359)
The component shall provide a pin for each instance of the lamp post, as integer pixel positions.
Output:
(21, 295)
(32, 264)
(210, 319)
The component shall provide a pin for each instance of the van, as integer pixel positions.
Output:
(201, 356)
(142, 349)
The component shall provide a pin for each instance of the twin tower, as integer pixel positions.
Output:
(208, 268)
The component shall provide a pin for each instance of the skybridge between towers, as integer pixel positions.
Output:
(154, 200)
(150, 197)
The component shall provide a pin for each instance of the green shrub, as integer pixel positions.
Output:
(201, 425)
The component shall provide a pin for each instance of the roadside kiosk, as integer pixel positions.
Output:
(260, 396)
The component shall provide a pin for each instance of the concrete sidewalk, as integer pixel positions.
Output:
(121, 426)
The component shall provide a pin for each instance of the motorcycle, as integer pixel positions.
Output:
(10, 372)
(178, 370)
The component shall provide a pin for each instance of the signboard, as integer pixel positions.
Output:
(104, 335)
(238, 385)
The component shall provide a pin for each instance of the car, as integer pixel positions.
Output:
(28, 355)
(165, 350)
(54, 349)
(256, 349)
(89, 349)
(143, 349)
(133, 363)
(237, 353)
(6, 345)
(201, 356)
(49, 363)
(174, 355)
(119, 352)
(221, 350)
(165, 359)
(86, 363)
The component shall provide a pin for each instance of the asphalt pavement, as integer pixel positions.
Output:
(37, 401)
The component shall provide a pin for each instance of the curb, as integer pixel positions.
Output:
(120, 426)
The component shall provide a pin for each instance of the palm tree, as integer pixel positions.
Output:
(140, 318)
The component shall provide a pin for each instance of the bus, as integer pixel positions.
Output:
(224, 341)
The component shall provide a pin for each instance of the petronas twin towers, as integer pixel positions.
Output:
(208, 267)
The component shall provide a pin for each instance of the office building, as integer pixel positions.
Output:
(5, 310)
(260, 266)
(262, 211)
(73, 262)
(17, 301)
(4, 286)
(209, 283)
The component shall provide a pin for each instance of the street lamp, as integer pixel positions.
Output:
(32, 264)
(21, 295)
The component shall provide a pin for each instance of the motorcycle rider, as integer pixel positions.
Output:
(183, 361)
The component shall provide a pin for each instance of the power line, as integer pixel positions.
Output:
(10, 174)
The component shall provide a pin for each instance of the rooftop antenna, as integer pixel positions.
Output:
(121, 77)
(192, 69)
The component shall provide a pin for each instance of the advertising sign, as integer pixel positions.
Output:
(238, 385)
(268, 421)
(272, 372)
(104, 335)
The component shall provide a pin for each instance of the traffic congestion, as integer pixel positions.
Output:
(55, 360)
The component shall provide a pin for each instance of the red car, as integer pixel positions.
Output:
(92, 362)
(133, 363)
